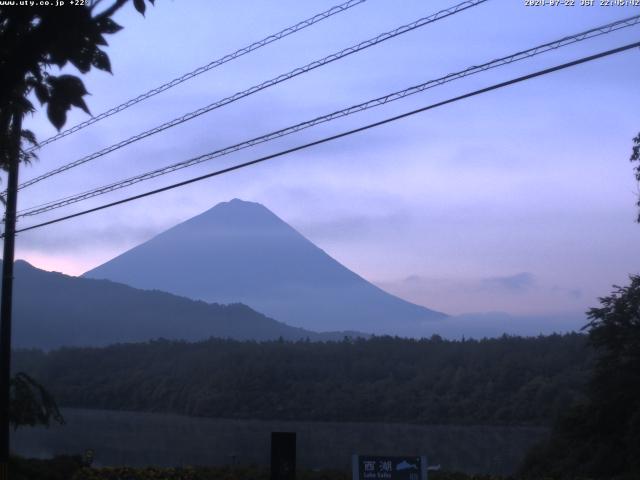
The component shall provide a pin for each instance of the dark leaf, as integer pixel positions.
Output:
(66, 90)
(106, 25)
(99, 40)
(57, 114)
(25, 105)
(42, 93)
(27, 157)
(101, 61)
(58, 55)
(79, 102)
(30, 137)
(81, 56)
(93, 33)
(140, 6)
(82, 62)
(68, 85)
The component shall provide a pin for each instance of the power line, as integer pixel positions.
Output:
(205, 68)
(568, 40)
(497, 86)
(269, 83)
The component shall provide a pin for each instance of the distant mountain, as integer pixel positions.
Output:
(53, 310)
(495, 324)
(241, 252)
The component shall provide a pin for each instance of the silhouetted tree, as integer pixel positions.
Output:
(36, 38)
(600, 436)
(635, 157)
(614, 331)
(31, 403)
(33, 40)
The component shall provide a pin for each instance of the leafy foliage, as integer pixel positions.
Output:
(635, 157)
(234, 473)
(601, 436)
(70, 468)
(62, 467)
(31, 404)
(35, 38)
(509, 380)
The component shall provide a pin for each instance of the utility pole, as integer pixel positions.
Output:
(7, 292)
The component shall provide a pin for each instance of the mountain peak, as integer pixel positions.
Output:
(238, 203)
(235, 212)
(236, 206)
(19, 263)
(240, 251)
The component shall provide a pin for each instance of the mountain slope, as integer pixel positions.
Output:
(52, 310)
(241, 252)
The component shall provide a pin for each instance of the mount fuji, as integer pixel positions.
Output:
(240, 251)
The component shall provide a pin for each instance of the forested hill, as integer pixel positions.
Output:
(53, 310)
(508, 380)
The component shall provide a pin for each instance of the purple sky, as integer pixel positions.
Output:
(521, 200)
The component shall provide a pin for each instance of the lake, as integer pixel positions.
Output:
(139, 439)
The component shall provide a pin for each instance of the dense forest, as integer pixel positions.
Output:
(509, 380)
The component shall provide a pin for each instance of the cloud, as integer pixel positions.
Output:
(347, 228)
(96, 237)
(519, 294)
(520, 282)
(573, 293)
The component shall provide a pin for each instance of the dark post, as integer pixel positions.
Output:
(7, 294)
(283, 455)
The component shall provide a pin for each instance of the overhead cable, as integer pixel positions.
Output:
(497, 86)
(205, 68)
(257, 88)
(540, 49)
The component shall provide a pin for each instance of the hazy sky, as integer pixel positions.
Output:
(521, 200)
